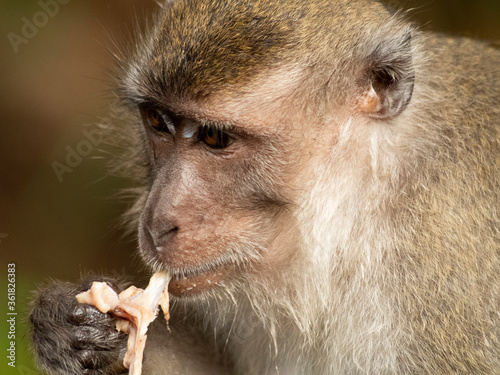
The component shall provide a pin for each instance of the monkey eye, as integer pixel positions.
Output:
(215, 138)
(154, 119)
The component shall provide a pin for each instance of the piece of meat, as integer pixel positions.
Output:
(136, 308)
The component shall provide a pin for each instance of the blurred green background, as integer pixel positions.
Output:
(55, 88)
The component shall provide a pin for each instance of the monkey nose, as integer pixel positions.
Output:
(162, 235)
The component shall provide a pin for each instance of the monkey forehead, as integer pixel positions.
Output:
(201, 47)
(268, 101)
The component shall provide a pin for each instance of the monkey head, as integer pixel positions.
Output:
(240, 101)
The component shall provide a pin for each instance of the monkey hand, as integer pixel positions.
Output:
(71, 338)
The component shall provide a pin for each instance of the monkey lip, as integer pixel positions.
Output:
(193, 284)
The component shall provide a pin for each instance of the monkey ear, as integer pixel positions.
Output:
(390, 79)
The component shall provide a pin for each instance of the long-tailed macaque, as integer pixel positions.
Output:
(322, 181)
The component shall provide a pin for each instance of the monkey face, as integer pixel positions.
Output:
(233, 127)
(216, 205)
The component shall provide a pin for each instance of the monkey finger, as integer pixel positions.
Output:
(93, 338)
(92, 360)
(84, 314)
(86, 338)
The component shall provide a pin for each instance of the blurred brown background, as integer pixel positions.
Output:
(59, 215)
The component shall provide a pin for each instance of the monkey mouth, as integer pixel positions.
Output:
(182, 286)
(191, 283)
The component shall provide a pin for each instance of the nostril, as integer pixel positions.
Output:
(165, 231)
(161, 240)
(162, 234)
